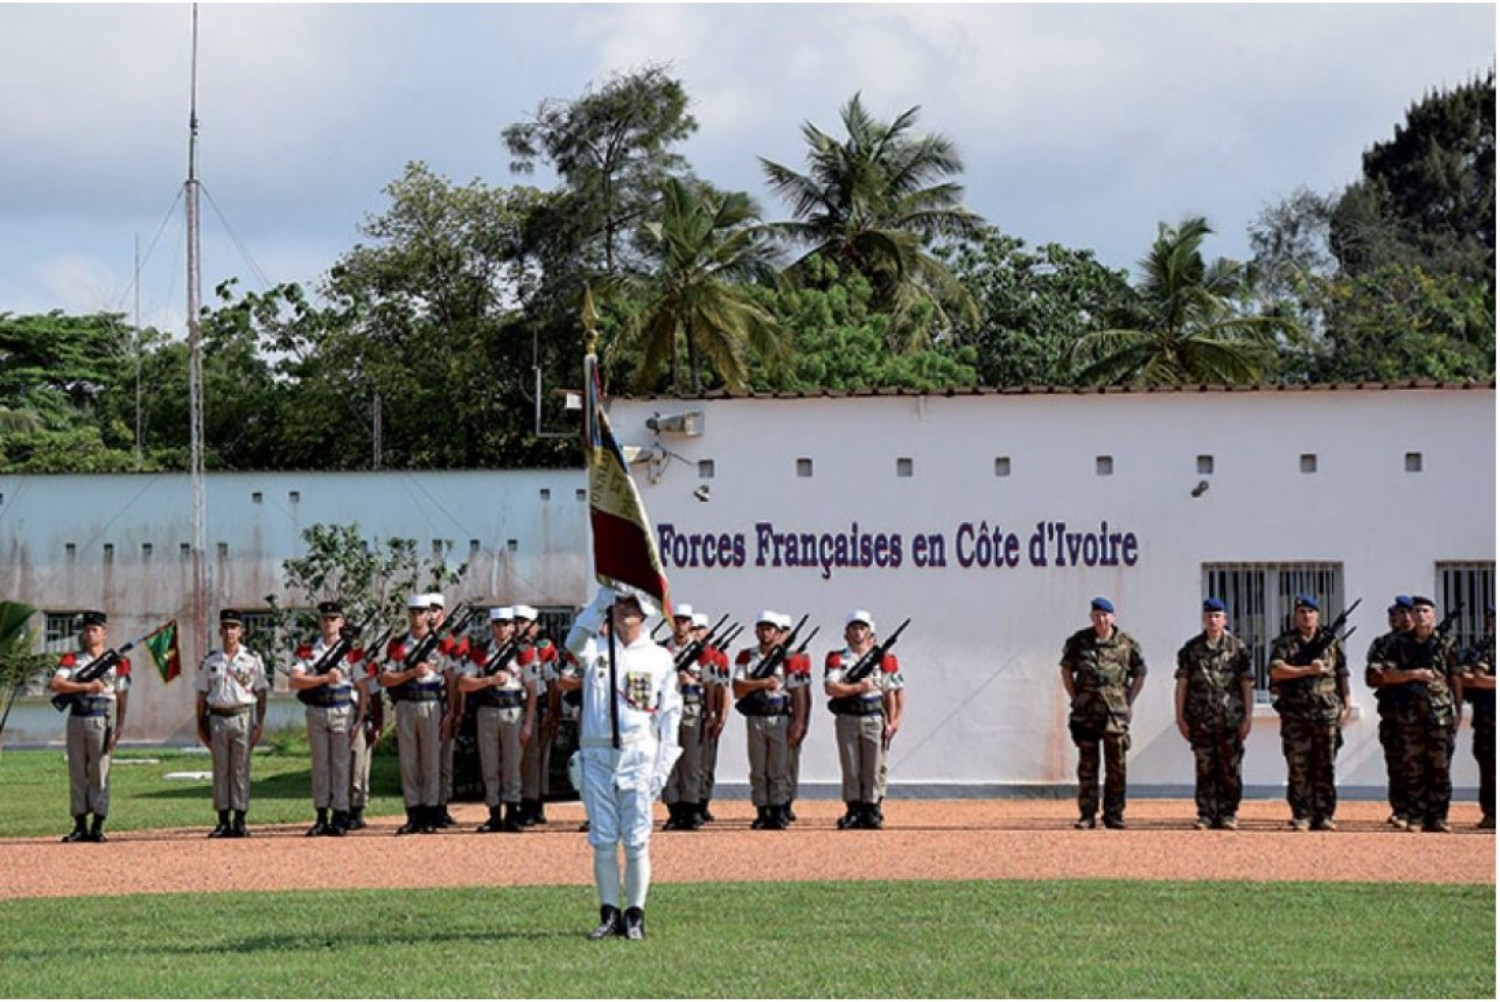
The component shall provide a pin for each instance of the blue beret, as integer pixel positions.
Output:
(1417, 600)
(1102, 604)
(1213, 605)
(1404, 601)
(1308, 601)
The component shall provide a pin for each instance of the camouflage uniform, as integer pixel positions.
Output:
(1424, 725)
(1310, 737)
(1385, 705)
(1102, 672)
(1214, 711)
(1483, 663)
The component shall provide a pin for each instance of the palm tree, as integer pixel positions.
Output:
(874, 202)
(18, 665)
(1190, 328)
(707, 247)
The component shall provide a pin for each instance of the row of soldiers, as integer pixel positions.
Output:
(1420, 678)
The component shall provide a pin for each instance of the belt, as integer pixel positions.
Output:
(692, 690)
(502, 701)
(873, 711)
(89, 713)
(233, 711)
(331, 705)
(418, 696)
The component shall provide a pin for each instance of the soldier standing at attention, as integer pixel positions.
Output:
(1478, 687)
(504, 720)
(867, 714)
(681, 794)
(538, 660)
(1398, 616)
(627, 746)
(1102, 671)
(369, 720)
(231, 688)
(766, 706)
(1310, 682)
(1424, 670)
(1215, 696)
(799, 687)
(95, 721)
(330, 701)
(417, 692)
(716, 703)
(454, 651)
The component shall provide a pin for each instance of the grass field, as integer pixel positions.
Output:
(976, 939)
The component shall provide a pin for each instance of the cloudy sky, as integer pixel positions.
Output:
(1084, 125)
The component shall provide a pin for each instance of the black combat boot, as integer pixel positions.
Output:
(493, 824)
(441, 818)
(692, 818)
(411, 826)
(539, 811)
(529, 811)
(80, 830)
(851, 815)
(428, 817)
(239, 830)
(776, 817)
(96, 833)
(339, 826)
(320, 827)
(513, 819)
(635, 923)
(356, 819)
(788, 815)
(703, 811)
(224, 828)
(872, 817)
(760, 819)
(610, 923)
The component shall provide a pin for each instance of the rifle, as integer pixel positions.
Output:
(425, 646)
(331, 657)
(95, 670)
(497, 661)
(867, 663)
(694, 648)
(755, 704)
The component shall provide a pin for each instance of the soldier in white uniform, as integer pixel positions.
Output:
(419, 694)
(867, 714)
(331, 703)
(95, 720)
(231, 710)
(767, 709)
(619, 784)
(504, 719)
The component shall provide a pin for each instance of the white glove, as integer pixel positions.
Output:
(590, 621)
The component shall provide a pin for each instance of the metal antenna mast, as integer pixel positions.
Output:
(195, 365)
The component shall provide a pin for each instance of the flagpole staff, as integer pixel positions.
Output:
(591, 443)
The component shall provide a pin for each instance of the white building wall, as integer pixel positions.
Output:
(985, 703)
(986, 708)
(478, 513)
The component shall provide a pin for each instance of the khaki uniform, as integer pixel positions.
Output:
(330, 718)
(420, 704)
(91, 724)
(1102, 672)
(231, 686)
(685, 785)
(716, 676)
(859, 727)
(538, 664)
(499, 715)
(766, 722)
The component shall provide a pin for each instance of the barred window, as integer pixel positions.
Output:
(60, 631)
(262, 637)
(1258, 600)
(1471, 583)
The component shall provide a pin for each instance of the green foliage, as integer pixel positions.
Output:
(873, 204)
(960, 939)
(1033, 305)
(1188, 322)
(18, 665)
(371, 579)
(841, 340)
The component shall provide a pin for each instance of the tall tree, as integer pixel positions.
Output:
(612, 148)
(874, 203)
(1034, 305)
(1189, 322)
(705, 248)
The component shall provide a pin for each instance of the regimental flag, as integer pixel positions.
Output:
(625, 554)
(163, 647)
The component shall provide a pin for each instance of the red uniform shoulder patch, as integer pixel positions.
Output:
(526, 657)
(304, 652)
(743, 658)
(889, 664)
(395, 650)
(834, 660)
(68, 660)
(123, 668)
